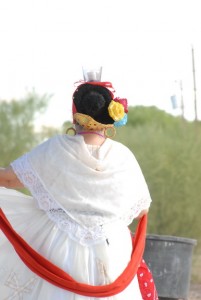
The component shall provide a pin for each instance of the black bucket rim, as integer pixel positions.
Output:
(171, 238)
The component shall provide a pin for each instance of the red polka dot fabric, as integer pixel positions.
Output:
(146, 282)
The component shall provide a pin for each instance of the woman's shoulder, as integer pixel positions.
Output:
(118, 146)
(121, 153)
(62, 143)
(46, 144)
(55, 139)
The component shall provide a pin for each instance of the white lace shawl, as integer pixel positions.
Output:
(75, 188)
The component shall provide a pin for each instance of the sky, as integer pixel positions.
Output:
(144, 47)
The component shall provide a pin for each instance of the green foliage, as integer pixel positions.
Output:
(168, 151)
(140, 115)
(17, 125)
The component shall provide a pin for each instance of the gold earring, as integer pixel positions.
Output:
(71, 129)
(110, 132)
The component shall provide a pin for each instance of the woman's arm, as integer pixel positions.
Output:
(9, 179)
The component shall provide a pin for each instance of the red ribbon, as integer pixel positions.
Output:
(106, 84)
(56, 276)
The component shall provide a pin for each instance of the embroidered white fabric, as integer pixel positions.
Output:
(85, 236)
(27, 176)
(135, 210)
(91, 226)
(64, 222)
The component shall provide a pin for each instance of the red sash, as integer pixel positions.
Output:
(56, 276)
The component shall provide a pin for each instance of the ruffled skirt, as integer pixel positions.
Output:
(94, 264)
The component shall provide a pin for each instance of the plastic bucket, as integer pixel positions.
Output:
(170, 259)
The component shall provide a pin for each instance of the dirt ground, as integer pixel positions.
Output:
(195, 292)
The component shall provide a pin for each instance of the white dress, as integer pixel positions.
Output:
(83, 199)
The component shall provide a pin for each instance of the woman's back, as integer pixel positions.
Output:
(86, 189)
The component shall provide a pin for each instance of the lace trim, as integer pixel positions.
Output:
(27, 176)
(135, 210)
(64, 222)
(85, 236)
(84, 233)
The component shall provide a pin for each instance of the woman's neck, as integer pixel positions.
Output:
(92, 137)
(91, 132)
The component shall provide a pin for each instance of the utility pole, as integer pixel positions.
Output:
(182, 99)
(194, 85)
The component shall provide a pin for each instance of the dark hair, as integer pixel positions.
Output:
(93, 100)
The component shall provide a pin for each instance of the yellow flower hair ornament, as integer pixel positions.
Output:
(117, 112)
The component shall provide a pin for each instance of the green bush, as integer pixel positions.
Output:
(168, 151)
